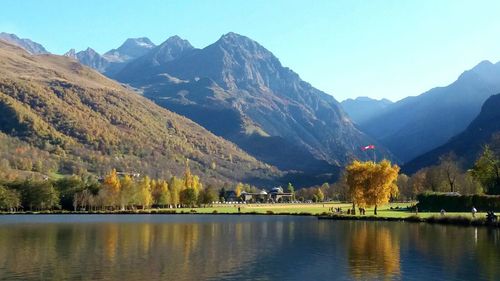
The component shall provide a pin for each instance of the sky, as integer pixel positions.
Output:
(375, 48)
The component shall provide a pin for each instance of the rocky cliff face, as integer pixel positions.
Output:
(239, 90)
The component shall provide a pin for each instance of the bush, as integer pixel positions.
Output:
(434, 202)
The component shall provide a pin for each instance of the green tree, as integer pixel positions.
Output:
(39, 195)
(67, 188)
(208, 196)
(319, 195)
(291, 189)
(486, 170)
(188, 197)
(9, 199)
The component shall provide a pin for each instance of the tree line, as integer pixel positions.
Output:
(113, 192)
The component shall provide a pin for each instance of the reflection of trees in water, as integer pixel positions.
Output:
(459, 248)
(132, 251)
(373, 252)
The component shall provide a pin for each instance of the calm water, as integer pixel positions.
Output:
(201, 247)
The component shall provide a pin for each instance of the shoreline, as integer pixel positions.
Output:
(446, 220)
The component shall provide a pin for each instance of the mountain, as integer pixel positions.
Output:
(114, 60)
(484, 129)
(78, 120)
(131, 49)
(90, 58)
(362, 109)
(173, 48)
(239, 90)
(28, 45)
(415, 125)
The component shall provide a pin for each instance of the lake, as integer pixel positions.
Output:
(231, 247)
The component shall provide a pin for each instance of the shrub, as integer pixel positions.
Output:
(434, 202)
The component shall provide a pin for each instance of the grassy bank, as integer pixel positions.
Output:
(393, 210)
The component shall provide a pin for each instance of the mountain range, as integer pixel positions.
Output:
(114, 60)
(483, 130)
(26, 44)
(362, 109)
(79, 120)
(415, 125)
(239, 90)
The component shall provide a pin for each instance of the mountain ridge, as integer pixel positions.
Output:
(65, 108)
(469, 143)
(415, 125)
(362, 109)
(26, 44)
(236, 78)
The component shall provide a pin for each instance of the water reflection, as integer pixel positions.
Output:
(235, 248)
(373, 252)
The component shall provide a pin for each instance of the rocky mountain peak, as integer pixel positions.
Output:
(28, 45)
(131, 49)
(71, 53)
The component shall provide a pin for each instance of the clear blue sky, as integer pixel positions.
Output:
(390, 49)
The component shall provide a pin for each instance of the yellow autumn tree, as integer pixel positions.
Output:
(126, 191)
(111, 189)
(164, 197)
(144, 197)
(238, 189)
(188, 176)
(176, 185)
(372, 184)
(356, 177)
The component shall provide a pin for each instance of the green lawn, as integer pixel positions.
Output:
(318, 208)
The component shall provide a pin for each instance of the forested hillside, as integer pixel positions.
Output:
(73, 120)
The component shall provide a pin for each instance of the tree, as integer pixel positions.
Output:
(486, 170)
(188, 177)
(417, 183)
(127, 192)
(208, 196)
(340, 189)
(164, 198)
(238, 189)
(188, 197)
(9, 199)
(67, 188)
(450, 169)
(175, 185)
(403, 183)
(110, 190)
(372, 184)
(291, 189)
(39, 195)
(144, 197)
(319, 195)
